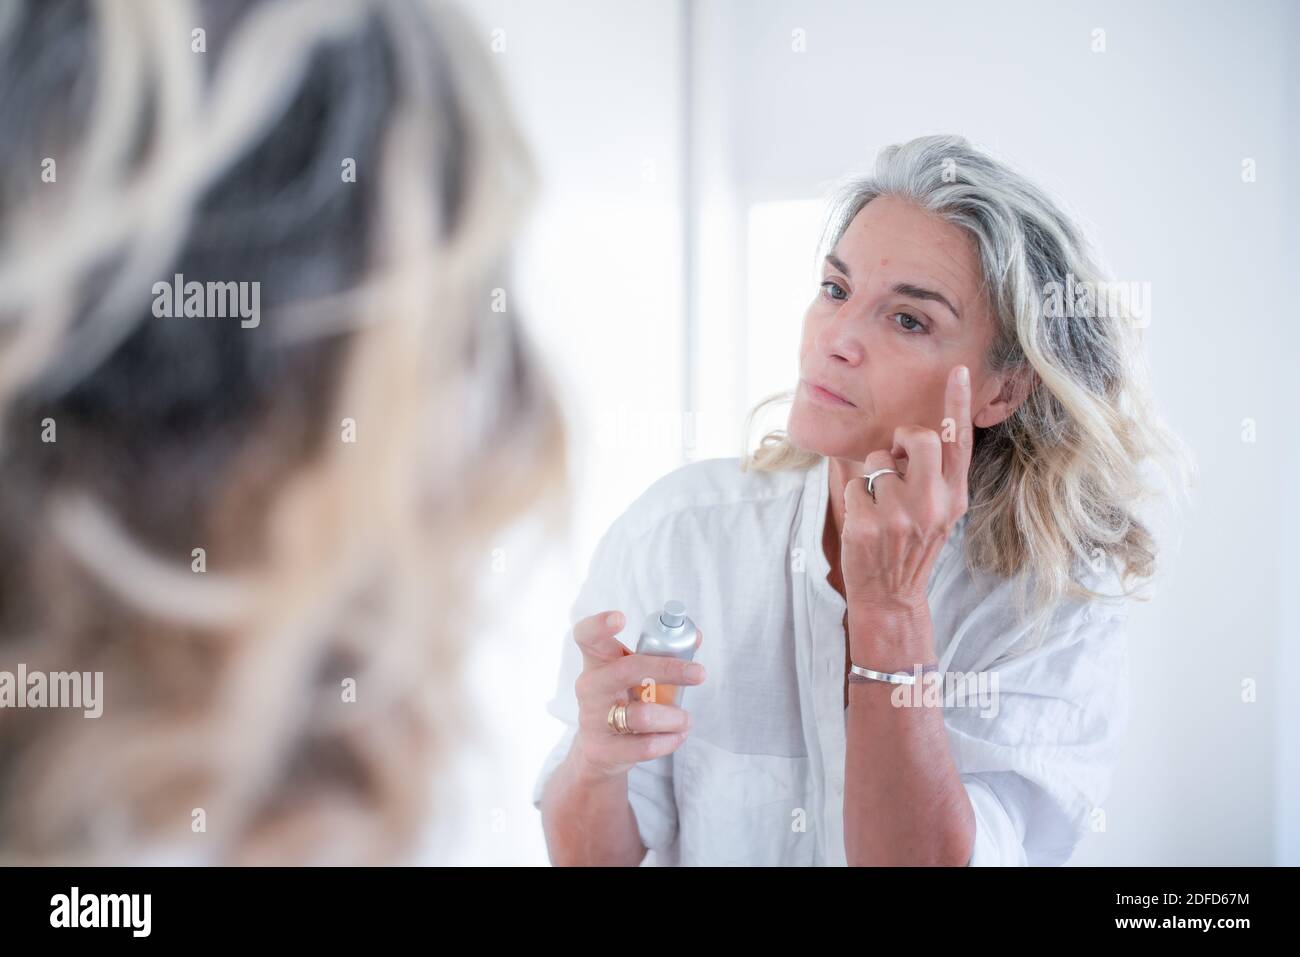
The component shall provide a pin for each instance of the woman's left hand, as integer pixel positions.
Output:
(888, 546)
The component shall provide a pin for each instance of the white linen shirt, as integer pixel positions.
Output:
(759, 779)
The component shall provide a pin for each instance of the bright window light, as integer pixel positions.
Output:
(782, 280)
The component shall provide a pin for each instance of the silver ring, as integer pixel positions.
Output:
(872, 476)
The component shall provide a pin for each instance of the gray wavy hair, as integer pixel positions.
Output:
(1055, 489)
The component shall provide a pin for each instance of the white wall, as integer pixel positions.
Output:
(1286, 574)
(1145, 141)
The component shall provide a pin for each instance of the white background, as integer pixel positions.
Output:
(685, 150)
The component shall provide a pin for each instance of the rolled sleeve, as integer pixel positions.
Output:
(613, 583)
(997, 843)
(655, 807)
(1037, 769)
(649, 793)
(553, 761)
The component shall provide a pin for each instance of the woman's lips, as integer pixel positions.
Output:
(825, 395)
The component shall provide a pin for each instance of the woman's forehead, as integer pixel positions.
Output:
(891, 241)
(892, 228)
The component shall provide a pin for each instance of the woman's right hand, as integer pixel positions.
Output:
(609, 674)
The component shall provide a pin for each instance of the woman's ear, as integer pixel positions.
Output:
(1013, 387)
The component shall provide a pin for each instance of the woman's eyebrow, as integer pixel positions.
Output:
(839, 264)
(919, 292)
(900, 288)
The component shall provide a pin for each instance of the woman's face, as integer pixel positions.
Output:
(899, 306)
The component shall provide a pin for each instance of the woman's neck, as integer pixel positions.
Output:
(838, 477)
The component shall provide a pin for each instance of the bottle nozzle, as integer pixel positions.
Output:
(674, 614)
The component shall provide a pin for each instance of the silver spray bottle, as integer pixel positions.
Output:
(670, 633)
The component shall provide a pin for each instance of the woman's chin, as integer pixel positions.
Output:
(806, 430)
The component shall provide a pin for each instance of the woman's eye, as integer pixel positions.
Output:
(832, 283)
(908, 323)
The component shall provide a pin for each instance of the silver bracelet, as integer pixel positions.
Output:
(893, 677)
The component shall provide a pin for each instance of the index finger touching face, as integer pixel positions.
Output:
(957, 433)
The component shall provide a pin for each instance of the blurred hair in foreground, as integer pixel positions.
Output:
(325, 559)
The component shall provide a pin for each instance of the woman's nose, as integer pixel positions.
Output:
(841, 338)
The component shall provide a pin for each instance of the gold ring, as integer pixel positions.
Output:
(617, 718)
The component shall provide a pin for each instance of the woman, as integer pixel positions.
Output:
(913, 597)
(259, 532)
